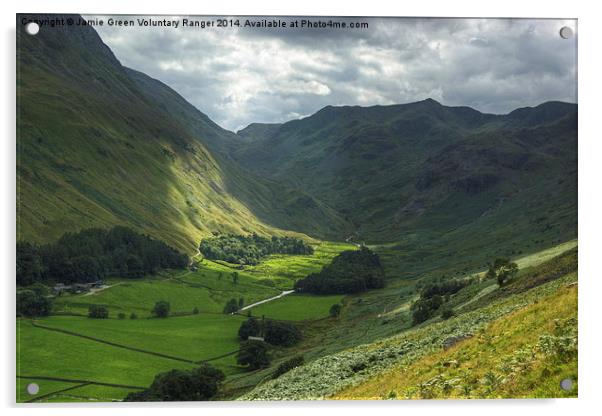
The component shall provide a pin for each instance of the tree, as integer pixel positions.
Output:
(281, 333)
(241, 303)
(249, 328)
(161, 309)
(195, 311)
(231, 306)
(94, 253)
(121, 315)
(98, 312)
(235, 277)
(503, 270)
(133, 316)
(29, 264)
(31, 304)
(420, 312)
(253, 354)
(198, 384)
(288, 365)
(348, 272)
(39, 289)
(447, 312)
(335, 310)
(250, 249)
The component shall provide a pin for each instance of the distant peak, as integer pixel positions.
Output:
(430, 101)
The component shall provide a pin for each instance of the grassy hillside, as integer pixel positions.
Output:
(519, 342)
(517, 356)
(99, 145)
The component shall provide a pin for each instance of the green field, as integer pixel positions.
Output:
(203, 289)
(297, 307)
(195, 337)
(284, 270)
(146, 346)
(45, 387)
(51, 354)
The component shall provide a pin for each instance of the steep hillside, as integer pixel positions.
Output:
(99, 144)
(517, 341)
(426, 167)
(258, 131)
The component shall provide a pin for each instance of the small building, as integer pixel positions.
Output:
(250, 338)
(59, 288)
(81, 287)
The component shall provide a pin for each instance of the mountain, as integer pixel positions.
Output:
(100, 144)
(256, 131)
(425, 167)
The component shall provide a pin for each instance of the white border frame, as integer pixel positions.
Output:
(589, 200)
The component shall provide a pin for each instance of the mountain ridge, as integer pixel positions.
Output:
(119, 147)
(101, 145)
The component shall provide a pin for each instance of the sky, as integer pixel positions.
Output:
(239, 76)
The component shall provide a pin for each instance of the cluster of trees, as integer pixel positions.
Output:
(98, 312)
(274, 332)
(93, 254)
(503, 270)
(254, 354)
(250, 249)
(233, 305)
(33, 302)
(349, 272)
(199, 384)
(432, 300)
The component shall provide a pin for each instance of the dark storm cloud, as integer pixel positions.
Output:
(239, 76)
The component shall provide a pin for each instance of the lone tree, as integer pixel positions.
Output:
(235, 278)
(231, 306)
(98, 312)
(253, 354)
(335, 310)
(161, 309)
(241, 302)
(447, 312)
(503, 270)
(181, 385)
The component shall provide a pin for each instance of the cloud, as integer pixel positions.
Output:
(240, 75)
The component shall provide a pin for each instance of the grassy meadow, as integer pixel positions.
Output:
(297, 307)
(129, 352)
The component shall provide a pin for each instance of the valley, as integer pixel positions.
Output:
(349, 254)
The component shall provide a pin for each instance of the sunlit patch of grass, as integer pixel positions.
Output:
(284, 270)
(297, 307)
